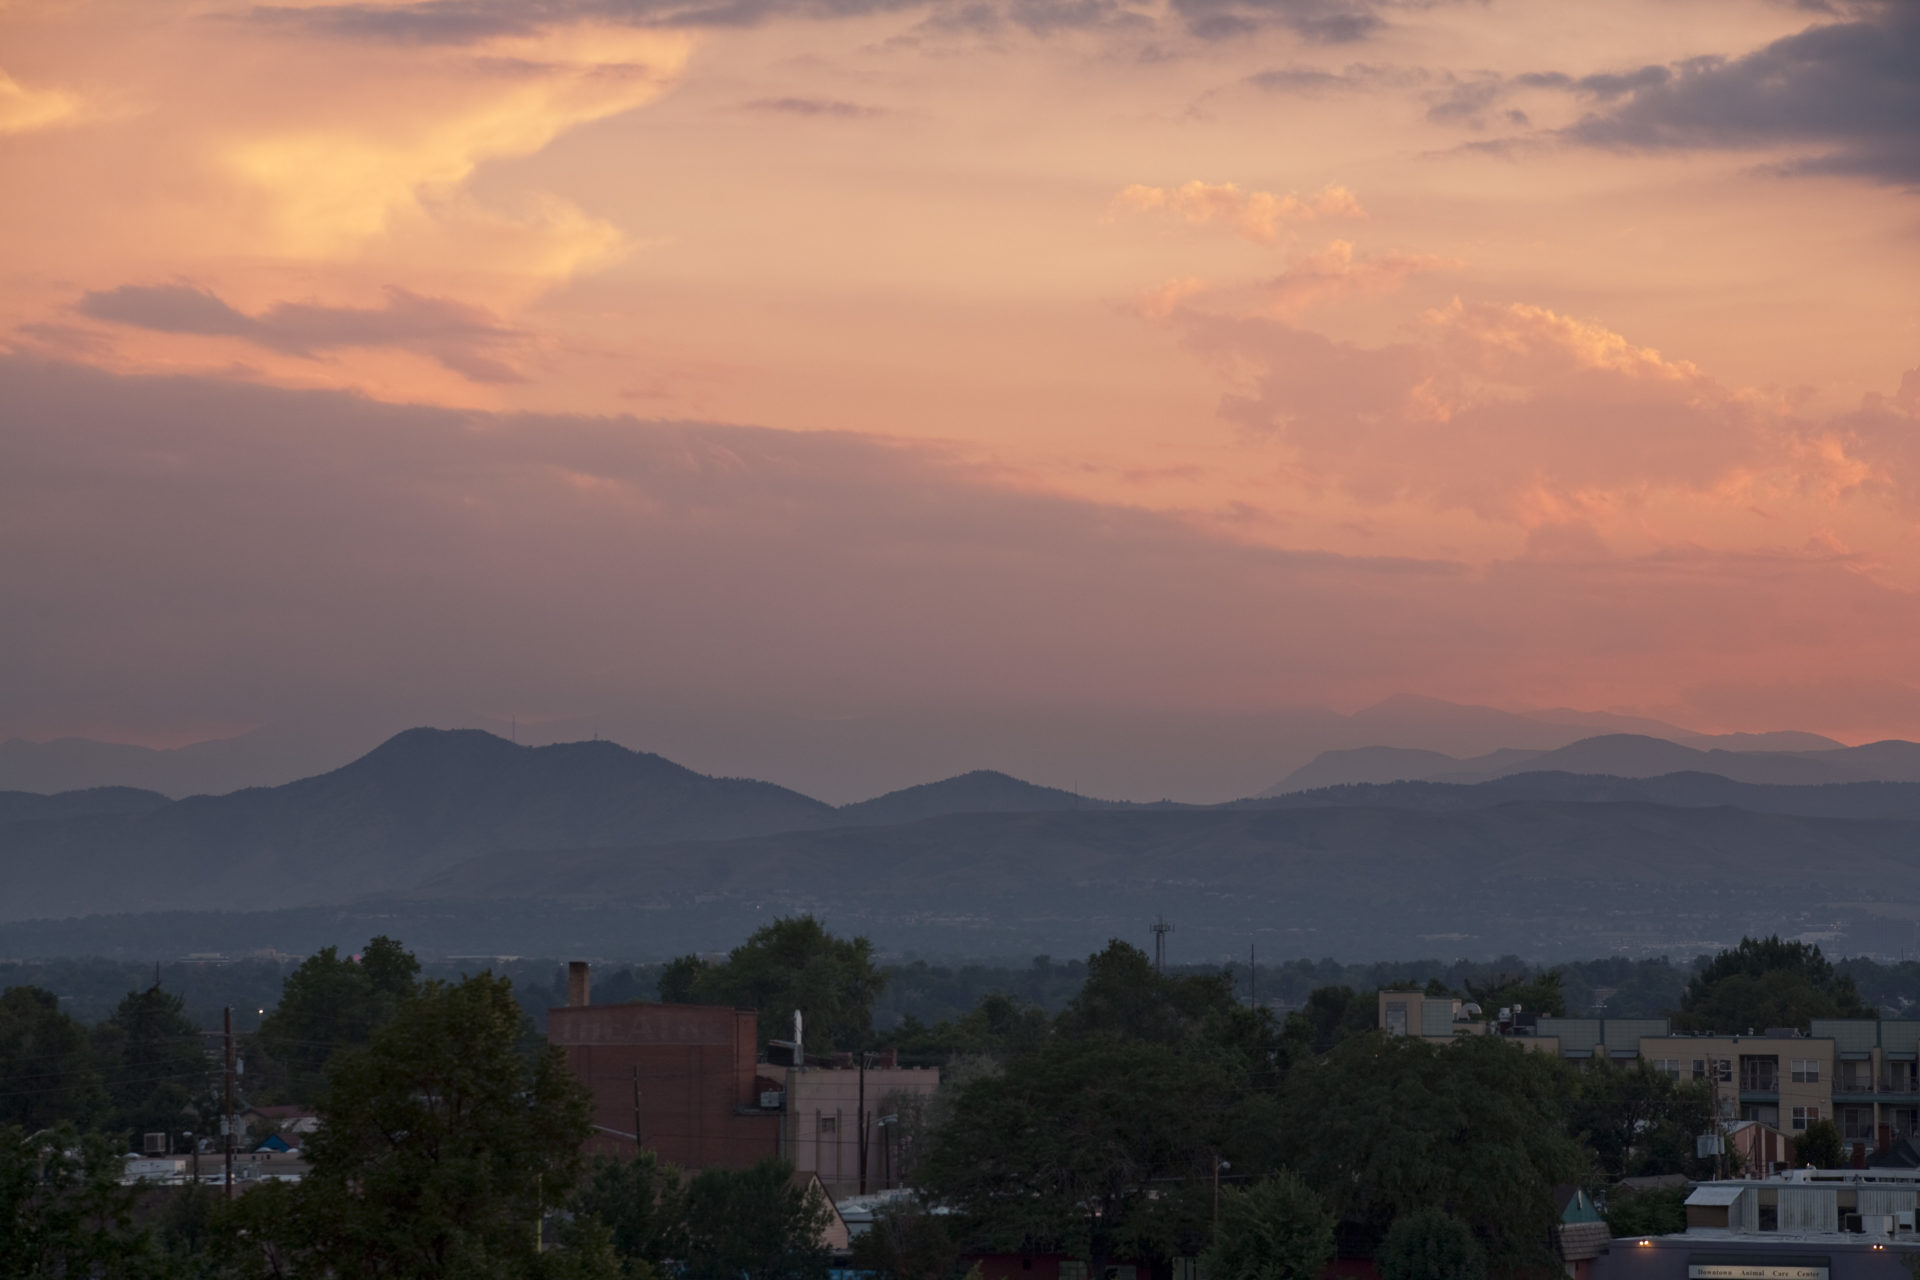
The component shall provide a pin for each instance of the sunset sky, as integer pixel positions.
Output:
(574, 361)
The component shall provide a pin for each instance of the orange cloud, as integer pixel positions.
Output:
(1335, 272)
(1158, 304)
(1513, 413)
(333, 181)
(23, 110)
(1259, 216)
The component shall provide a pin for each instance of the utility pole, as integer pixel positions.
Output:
(226, 1115)
(1253, 977)
(861, 1109)
(1160, 931)
(636, 1108)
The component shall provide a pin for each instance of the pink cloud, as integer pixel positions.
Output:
(1337, 272)
(215, 551)
(1513, 413)
(1259, 216)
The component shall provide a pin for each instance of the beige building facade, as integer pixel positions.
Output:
(823, 1124)
(1863, 1074)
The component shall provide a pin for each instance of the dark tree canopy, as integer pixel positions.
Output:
(641, 1202)
(793, 963)
(1430, 1244)
(1097, 1147)
(1819, 1145)
(760, 1223)
(1636, 1120)
(63, 1211)
(439, 1150)
(333, 1002)
(1767, 982)
(907, 1242)
(160, 1077)
(1391, 1125)
(1276, 1229)
(48, 1072)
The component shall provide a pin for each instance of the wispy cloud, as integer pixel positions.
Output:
(831, 108)
(23, 110)
(1259, 216)
(463, 338)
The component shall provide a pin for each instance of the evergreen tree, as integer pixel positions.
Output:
(48, 1070)
(160, 1076)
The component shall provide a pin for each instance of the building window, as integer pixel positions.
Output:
(1699, 1068)
(829, 1124)
(1802, 1116)
(1396, 1017)
(1759, 1073)
(1806, 1071)
(1667, 1067)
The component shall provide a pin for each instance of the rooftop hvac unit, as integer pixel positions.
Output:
(773, 1099)
(153, 1144)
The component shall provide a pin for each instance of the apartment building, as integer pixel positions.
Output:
(1861, 1073)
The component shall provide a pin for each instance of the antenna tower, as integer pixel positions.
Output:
(1160, 931)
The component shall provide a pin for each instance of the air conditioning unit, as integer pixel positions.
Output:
(773, 1099)
(154, 1144)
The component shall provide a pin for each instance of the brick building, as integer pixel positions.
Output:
(682, 1080)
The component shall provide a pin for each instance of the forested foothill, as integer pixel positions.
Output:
(1146, 1116)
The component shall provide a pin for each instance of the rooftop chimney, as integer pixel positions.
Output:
(579, 980)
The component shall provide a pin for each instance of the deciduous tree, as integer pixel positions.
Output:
(1389, 1125)
(793, 963)
(1431, 1244)
(1276, 1229)
(332, 1002)
(440, 1148)
(760, 1223)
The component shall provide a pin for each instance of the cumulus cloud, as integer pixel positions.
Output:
(1513, 413)
(1259, 216)
(463, 338)
(1841, 97)
(1337, 271)
(1161, 302)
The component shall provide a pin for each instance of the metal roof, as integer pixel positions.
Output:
(1715, 1195)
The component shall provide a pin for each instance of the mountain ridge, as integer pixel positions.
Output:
(1620, 755)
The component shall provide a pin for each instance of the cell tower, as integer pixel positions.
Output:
(1160, 931)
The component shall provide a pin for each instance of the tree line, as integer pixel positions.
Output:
(1154, 1116)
